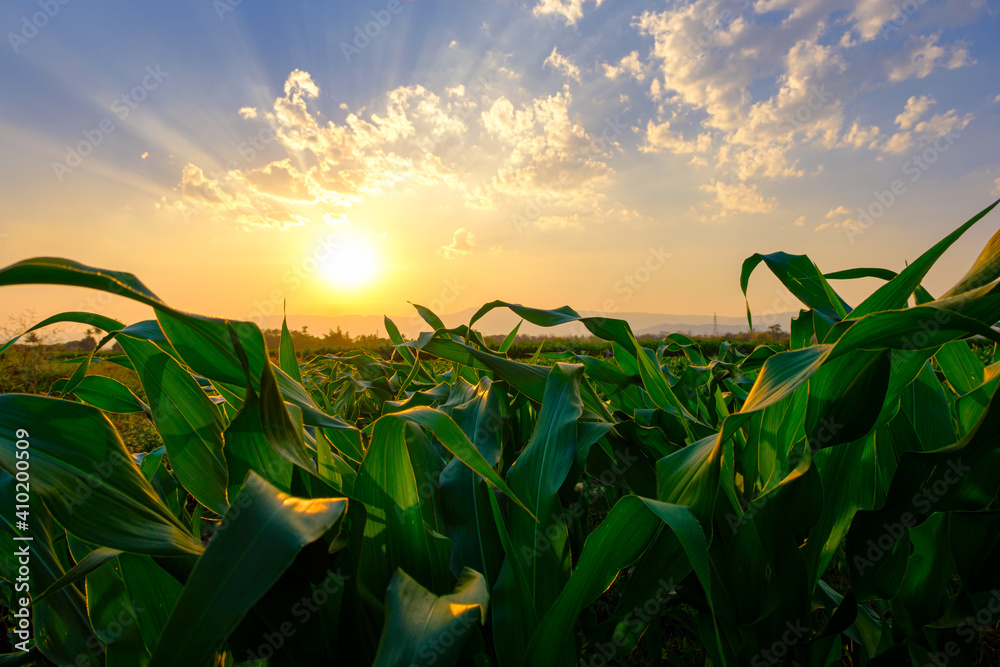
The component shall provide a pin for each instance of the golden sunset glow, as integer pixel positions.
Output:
(466, 152)
(352, 263)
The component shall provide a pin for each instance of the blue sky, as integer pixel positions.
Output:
(546, 152)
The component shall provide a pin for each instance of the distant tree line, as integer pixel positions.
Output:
(332, 340)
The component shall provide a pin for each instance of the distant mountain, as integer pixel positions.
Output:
(501, 321)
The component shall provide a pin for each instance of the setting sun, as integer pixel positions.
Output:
(351, 264)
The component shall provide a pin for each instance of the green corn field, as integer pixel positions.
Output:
(835, 503)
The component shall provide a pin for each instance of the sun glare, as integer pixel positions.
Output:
(351, 264)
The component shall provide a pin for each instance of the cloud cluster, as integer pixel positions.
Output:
(491, 151)
(747, 93)
(754, 95)
(569, 10)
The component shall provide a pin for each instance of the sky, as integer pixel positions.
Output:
(611, 155)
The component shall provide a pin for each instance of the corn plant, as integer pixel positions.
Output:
(453, 506)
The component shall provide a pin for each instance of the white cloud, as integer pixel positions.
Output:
(499, 153)
(561, 63)
(766, 97)
(922, 55)
(871, 16)
(453, 44)
(570, 10)
(462, 243)
(996, 187)
(924, 131)
(248, 112)
(941, 124)
(544, 153)
(740, 198)
(898, 143)
(835, 212)
(659, 138)
(858, 136)
(630, 64)
(335, 165)
(799, 221)
(915, 108)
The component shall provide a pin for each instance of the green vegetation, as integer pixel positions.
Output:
(523, 347)
(832, 500)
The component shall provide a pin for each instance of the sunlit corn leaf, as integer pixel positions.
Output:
(286, 353)
(464, 495)
(395, 534)
(962, 368)
(894, 294)
(846, 397)
(92, 561)
(109, 395)
(114, 618)
(87, 479)
(425, 629)
(247, 448)
(186, 419)
(90, 319)
(259, 538)
(799, 274)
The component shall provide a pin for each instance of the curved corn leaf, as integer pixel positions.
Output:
(109, 395)
(261, 534)
(802, 278)
(425, 629)
(894, 294)
(617, 543)
(186, 419)
(85, 476)
(90, 319)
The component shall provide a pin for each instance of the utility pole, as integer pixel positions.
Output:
(715, 325)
